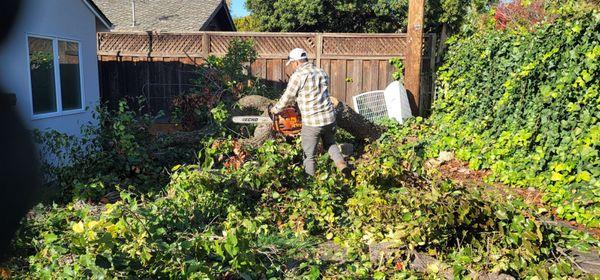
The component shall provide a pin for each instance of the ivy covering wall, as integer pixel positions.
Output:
(525, 104)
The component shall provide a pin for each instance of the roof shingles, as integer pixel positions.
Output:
(159, 15)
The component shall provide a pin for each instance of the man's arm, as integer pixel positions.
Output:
(289, 96)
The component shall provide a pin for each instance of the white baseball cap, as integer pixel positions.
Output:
(296, 54)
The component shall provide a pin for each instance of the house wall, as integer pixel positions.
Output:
(68, 19)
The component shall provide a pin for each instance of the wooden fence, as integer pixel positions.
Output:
(160, 65)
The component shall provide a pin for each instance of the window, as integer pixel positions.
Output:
(41, 65)
(55, 75)
(68, 57)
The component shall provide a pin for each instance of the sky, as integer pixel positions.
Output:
(238, 9)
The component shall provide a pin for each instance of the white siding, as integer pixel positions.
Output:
(68, 19)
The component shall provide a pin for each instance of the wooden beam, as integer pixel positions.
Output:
(414, 53)
(319, 51)
(205, 44)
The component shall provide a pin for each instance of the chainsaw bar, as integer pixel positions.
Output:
(252, 119)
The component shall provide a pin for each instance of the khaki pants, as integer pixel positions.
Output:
(309, 136)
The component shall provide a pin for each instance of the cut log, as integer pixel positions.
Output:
(255, 102)
(262, 133)
(346, 118)
(354, 123)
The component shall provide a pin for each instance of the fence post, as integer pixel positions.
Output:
(319, 48)
(414, 53)
(205, 44)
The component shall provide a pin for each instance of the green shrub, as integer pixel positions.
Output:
(265, 219)
(115, 150)
(526, 106)
(253, 214)
(221, 81)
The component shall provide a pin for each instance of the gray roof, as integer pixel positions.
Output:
(160, 15)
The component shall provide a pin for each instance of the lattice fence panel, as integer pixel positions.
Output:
(130, 62)
(124, 44)
(177, 44)
(363, 45)
(266, 45)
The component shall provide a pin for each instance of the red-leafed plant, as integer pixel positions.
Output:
(520, 14)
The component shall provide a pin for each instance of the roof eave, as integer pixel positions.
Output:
(228, 14)
(214, 14)
(98, 13)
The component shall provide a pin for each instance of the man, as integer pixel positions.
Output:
(308, 87)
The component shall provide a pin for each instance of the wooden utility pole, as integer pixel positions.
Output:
(414, 52)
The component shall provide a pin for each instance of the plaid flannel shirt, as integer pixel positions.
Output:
(308, 87)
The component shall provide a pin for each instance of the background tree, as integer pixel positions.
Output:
(329, 16)
(358, 15)
(247, 23)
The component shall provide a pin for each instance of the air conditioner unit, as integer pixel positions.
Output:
(391, 103)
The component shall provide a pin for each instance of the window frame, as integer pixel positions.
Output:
(57, 78)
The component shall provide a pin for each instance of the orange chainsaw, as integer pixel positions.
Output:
(288, 122)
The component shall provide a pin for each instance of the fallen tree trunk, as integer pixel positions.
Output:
(354, 123)
(255, 102)
(346, 118)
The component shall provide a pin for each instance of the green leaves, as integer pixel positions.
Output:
(353, 16)
(220, 82)
(501, 214)
(523, 104)
(398, 64)
(231, 244)
(252, 222)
